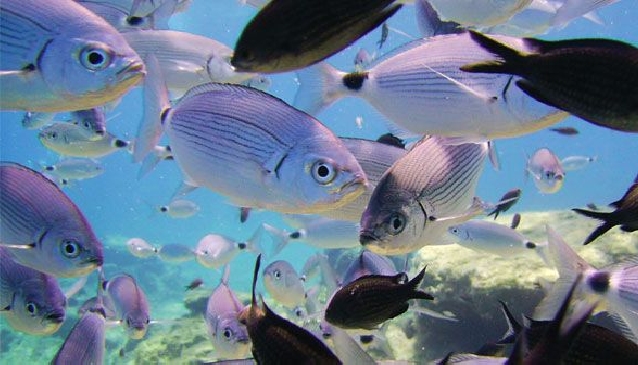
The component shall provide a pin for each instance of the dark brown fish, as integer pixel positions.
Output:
(277, 341)
(593, 79)
(568, 131)
(194, 284)
(287, 35)
(625, 215)
(371, 300)
(510, 198)
(516, 220)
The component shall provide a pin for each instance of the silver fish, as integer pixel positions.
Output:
(571, 163)
(546, 170)
(74, 169)
(50, 41)
(478, 12)
(176, 253)
(215, 251)
(42, 227)
(35, 120)
(92, 120)
(368, 263)
(86, 342)
(30, 301)
(130, 304)
(259, 152)
(186, 59)
(284, 285)
(421, 89)
(180, 208)
(140, 248)
(229, 337)
(421, 195)
(72, 140)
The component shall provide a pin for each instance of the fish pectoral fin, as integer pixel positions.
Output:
(478, 207)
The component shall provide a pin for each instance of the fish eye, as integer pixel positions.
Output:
(31, 308)
(323, 172)
(95, 59)
(86, 124)
(135, 21)
(227, 333)
(395, 224)
(52, 135)
(276, 274)
(70, 248)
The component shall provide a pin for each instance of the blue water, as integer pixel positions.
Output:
(116, 203)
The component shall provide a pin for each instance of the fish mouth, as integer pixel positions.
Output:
(93, 260)
(352, 186)
(55, 317)
(366, 238)
(134, 69)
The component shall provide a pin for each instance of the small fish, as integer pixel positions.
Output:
(175, 253)
(510, 198)
(36, 65)
(71, 140)
(613, 288)
(180, 208)
(284, 285)
(385, 29)
(92, 120)
(140, 248)
(30, 301)
(86, 342)
(362, 59)
(130, 304)
(215, 251)
(516, 221)
(316, 231)
(625, 214)
(571, 163)
(475, 13)
(570, 74)
(42, 227)
(35, 120)
(546, 170)
(426, 191)
(229, 337)
(196, 283)
(284, 36)
(568, 131)
(74, 169)
(260, 152)
(274, 338)
(371, 300)
(407, 85)
(494, 238)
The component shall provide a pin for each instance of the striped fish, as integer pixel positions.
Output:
(85, 343)
(130, 304)
(371, 300)
(421, 89)
(421, 195)
(42, 227)
(259, 152)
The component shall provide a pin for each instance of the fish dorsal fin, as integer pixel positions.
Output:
(255, 275)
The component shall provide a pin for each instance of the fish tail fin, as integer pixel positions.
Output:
(255, 275)
(608, 224)
(569, 265)
(414, 285)
(513, 327)
(319, 86)
(280, 238)
(512, 59)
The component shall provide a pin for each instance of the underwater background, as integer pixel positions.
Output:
(120, 207)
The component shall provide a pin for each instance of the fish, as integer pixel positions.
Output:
(140, 248)
(215, 251)
(196, 283)
(118, 16)
(419, 89)
(259, 152)
(571, 163)
(30, 301)
(625, 214)
(180, 208)
(130, 304)
(145, 7)
(92, 120)
(568, 131)
(613, 288)
(478, 13)
(592, 79)
(186, 59)
(571, 9)
(430, 23)
(419, 197)
(347, 348)
(229, 337)
(86, 342)
(494, 238)
(516, 221)
(42, 227)
(371, 300)
(285, 36)
(274, 338)
(74, 169)
(53, 40)
(510, 198)
(546, 171)
(71, 140)
(368, 263)
(284, 285)
(175, 253)
(35, 120)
